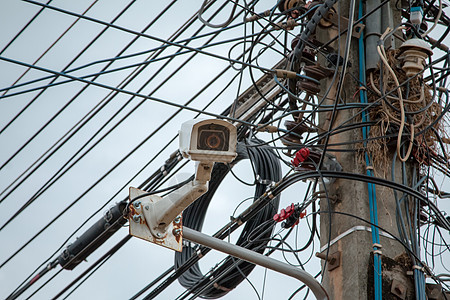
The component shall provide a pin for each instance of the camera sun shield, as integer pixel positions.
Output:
(208, 140)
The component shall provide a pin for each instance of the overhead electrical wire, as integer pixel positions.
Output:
(155, 182)
(109, 171)
(152, 77)
(411, 194)
(52, 45)
(73, 157)
(128, 80)
(65, 70)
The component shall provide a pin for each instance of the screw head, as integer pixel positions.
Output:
(176, 232)
(147, 207)
(158, 234)
(177, 220)
(137, 204)
(137, 218)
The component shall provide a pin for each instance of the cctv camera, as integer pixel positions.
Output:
(208, 140)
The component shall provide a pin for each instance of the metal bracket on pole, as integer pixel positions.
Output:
(256, 258)
(333, 19)
(139, 217)
(158, 219)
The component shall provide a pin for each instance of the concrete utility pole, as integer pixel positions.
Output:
(349, 270)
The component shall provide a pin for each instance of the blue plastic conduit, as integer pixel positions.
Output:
(371, 187)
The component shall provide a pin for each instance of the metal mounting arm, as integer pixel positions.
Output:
(157, 219)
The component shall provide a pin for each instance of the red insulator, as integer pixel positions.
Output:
(290, 209)
(276, 218)
(300, 156)
(303, 214)
(284, 213)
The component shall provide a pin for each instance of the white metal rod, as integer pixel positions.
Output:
(256, 258)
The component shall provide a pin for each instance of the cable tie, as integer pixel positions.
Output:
(349, 231)
(237, 220)
(258, 16)
(164, 170)
(289, 25)
(270, 183)
(49, 266)
(66, 254)
(377, 245)
(285, 74)
(426, 268)
(220, 287)
(265, 181)
(108, 215)
(416, 267)
(369, 168)
(199, 253)
(377, 252)
(269, 194)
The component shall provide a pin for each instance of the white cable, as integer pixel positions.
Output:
(402, 108)
(436, 20)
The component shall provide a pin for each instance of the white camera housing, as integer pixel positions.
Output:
(210, 140)
(204, 141)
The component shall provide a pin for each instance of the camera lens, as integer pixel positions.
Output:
(213, 137)
(213, 141)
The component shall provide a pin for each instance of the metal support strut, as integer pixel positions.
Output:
(256, 258)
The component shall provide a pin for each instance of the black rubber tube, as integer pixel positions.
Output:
(268, 169)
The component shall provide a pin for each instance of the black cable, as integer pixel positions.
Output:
(21, 31)
(98, 262)
(16, 293)
(155, 281)
(222, 233)
(65, 69)
(302, 287)
(268, 169)
(34, 197)
(166, 168)
(69, 261)
(123, 84)
(142, 34)
(170, 188)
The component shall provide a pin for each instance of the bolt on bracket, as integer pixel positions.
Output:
(140, 215)
(398, 289)
(333, 19)
(333, 261)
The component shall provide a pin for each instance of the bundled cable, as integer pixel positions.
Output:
(268, 169)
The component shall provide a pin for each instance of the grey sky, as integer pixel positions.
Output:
(138, 262)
